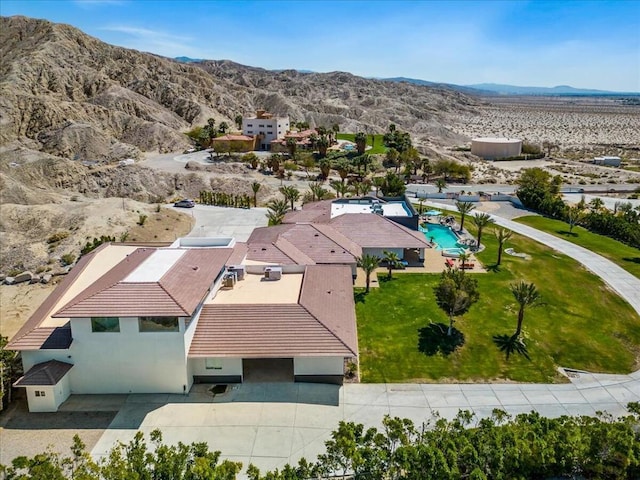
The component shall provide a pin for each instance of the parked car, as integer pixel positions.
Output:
(186, 203)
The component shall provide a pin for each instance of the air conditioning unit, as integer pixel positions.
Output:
(229, 280)
(239, 270)
(273, 273)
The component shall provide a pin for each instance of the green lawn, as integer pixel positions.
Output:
(377, 148)
(623, 255)
(582, 324)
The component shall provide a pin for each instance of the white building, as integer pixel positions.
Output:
(266, 128)
(609, 161)
(130, 319)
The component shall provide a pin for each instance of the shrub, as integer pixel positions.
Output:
(57, 237)
(142, 218)
(68, 259)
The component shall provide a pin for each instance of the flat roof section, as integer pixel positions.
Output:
(394, 209)
(155, 267)
(254, 289)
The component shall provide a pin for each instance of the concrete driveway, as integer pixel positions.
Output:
(225, 222)
(273, 424)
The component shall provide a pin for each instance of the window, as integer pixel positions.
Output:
(249, 124)
(262, 125)
(269, 133)
(250, 131)
(39, 393)
(213, 363)
(158, 324)
(105, 324)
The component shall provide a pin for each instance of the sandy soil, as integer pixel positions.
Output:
(18, 302)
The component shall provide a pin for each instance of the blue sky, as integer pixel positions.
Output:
(589, 44)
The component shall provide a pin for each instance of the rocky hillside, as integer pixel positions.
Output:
(68, 94)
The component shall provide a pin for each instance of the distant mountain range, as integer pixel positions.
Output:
(501, 89)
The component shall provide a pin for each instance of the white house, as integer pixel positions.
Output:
(131, 319)
(266, 128)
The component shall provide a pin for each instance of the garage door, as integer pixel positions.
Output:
(267, 369)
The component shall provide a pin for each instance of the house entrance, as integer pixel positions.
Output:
(267, 370)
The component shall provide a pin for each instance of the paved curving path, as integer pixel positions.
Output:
(625, 284)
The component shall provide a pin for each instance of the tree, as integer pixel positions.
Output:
(238, 120)
(549, 146)
(440, 184)
(502, 235)
(10, 367)
(223, 127)
(391, 158)
(573, 216)
(378, 183)
(393, 186)
(292, 145)
(276, 210)
(464, 208)
(335, 129)
(323, 144)
(526, 295)
(340, 188)
(325, 168)
(392, 260)
(455, 294)
(538, 190)
(596, 204)
(291, 194)
(342, 167)
(481, 220)
(252, 159)
(255, 187)
(368, 263)
(361, 142)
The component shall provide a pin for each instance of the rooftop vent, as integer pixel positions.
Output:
(273, 273)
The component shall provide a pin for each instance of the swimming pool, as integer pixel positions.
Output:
(442, 236)
(349, 147)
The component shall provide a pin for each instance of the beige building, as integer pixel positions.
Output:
(265, 128)
(491, 148)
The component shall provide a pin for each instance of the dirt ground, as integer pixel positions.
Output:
(18, 302)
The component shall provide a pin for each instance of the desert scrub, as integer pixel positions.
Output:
(57, 237)
(67, 259)
(142, 218)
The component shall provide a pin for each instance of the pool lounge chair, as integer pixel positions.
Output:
(467, 266)
(449, 262)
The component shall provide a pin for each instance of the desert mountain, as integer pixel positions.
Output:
(68, 94)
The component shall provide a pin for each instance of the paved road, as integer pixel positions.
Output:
(625, 284)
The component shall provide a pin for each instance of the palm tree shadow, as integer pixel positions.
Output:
(433, 339)
(360, 297)
(510, 344)
(495, 268)
(567, 233)
(632, 259)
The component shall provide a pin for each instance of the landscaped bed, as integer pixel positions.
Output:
(582, 324)
(623, 255)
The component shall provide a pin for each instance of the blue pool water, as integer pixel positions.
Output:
(441, 235)
(348, 147)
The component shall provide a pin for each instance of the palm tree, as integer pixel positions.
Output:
(596, 204)
(255, 187)
(378, 183)
(440, 183)
(322, 143)
(276, 211)
(393, 260)
(325, 168)
(368, 263)
(502, 235)
(481, 220)
(223, 127)
(291, 194)
(361, 142)
(464, 208)
(292, 145)
(527, 295)
(335, 128)
(339, 187)
(342, 167)
(238, 121)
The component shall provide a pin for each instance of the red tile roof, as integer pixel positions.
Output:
(232, 137)
(43, 338)
(322, 323)
(37, 339)
(375, 231)
(302, 244)
(177, 293)
(44, 374)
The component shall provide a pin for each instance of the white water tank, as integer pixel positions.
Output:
(491, 148)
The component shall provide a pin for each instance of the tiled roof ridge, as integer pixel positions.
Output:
(304, 258)
(336, 237)
(44, 309)
(325, 326)
(159, 283)
(83, 296)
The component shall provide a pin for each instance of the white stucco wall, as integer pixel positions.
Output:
(318, 366)
(53, 397)
(380, 251)
(230, 366)
(273, 128)
(127, 361)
